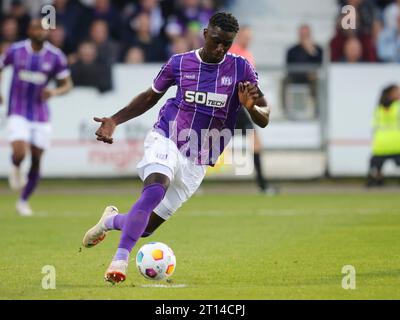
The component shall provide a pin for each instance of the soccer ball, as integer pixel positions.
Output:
(156, 261)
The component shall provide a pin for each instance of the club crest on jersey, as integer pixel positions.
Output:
(226, 81)
(46, 66)
(209, 99)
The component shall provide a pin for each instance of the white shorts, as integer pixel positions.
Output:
(161, 155)
(35, 133)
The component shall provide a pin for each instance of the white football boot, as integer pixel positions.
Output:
(98, 232)
(23, 208)
(117, 271)
(16, 179)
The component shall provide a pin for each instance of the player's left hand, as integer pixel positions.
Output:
(248, 94)
(47, 93)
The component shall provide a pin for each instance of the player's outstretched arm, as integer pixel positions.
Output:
(139, 105)
(255, 105)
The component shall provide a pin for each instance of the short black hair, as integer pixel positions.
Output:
(226, 21)
(385, 95)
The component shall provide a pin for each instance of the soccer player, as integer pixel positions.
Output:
(212, 86)
(240, 47)
(35, 62)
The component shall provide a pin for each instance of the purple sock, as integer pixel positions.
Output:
(122, 254)
(138, 217)
(115, 222)
(119, 221)
(33, 179)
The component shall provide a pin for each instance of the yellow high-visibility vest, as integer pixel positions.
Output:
(386, 140)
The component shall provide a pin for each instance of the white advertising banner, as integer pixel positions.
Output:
(74, 152)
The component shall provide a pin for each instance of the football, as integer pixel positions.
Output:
(156, 261)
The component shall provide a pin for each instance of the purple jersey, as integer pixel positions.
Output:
(206, 102)
(32, 71)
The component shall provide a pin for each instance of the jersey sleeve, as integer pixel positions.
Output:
(250, 73)
(251, 76)
(61, 70)
(165, 78)
(7, 57)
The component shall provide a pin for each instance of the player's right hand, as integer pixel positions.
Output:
(248, 94)
(106, 130)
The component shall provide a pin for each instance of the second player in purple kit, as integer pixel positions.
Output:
(212, 86)
(35, 63)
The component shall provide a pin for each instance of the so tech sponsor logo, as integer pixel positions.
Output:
(209, 99)
(34, 77)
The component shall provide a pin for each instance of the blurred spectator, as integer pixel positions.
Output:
(381, 4)
(191, 13)
(107, 49)
(157, 16)
(303, 55)
(179, 45)
(194, 36)
(18, 11)
(88, 72)
(127, 23)
(224, 3)
(57, 37)
(134, 55)
(9, 30)
(352, 51)
(120, 5)
(153, 9)
(306, 51)
(154, 48)
(390, 15)
(367, 14)
(104, 10)
(73, 16)
(389, 43)
(367, 20)
(242, 43)
(168, 7)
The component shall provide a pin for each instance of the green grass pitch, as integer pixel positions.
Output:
(228, 246)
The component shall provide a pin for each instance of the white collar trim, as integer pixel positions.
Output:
(198, 57)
